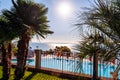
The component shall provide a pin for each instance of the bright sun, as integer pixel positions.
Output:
(64, 9)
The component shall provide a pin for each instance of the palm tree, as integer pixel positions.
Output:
(32, 18)
(95, 45)
(105, 17)
(6, 27)
(90, 47)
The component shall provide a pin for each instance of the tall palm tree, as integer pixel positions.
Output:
(105, 17)
(32, 18)
(6, 27)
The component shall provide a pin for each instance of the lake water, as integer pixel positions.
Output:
(47, 46)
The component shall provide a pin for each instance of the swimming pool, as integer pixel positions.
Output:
(71, 65)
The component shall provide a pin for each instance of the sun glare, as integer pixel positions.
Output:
(64, 9)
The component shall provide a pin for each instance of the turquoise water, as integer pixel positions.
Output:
(71, 65)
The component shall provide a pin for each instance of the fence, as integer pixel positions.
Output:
(72, 64)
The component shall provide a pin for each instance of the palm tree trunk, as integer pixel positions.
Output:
(95, 66)
(23, 44)
(6, 61)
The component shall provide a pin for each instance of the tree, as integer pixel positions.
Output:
(65, 49)
(96, 46)
(91, 48)
(104, 16)
(31, 17)
(6, 27)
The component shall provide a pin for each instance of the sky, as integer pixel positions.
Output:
(63, 15)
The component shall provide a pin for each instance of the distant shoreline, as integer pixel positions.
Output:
(50, 45)
(57, 42)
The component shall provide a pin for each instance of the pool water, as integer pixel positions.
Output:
(28, 61)
(73, 66)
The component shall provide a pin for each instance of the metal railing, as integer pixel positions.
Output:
(72, 64)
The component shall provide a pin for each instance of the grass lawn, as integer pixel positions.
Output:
(33, 76)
